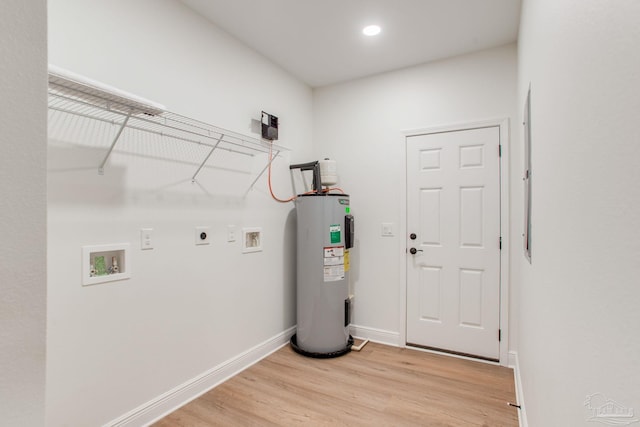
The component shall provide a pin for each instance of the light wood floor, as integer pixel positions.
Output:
(378, 386)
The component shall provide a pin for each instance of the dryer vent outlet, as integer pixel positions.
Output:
(202, 236)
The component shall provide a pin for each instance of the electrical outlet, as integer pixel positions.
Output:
(231, 233)
(146, 238)
(202, 236)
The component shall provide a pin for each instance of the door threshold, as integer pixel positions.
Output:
(452, 353)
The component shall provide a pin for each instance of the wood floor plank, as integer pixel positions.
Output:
(378, 386)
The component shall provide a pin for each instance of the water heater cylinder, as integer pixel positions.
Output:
(324, 238)
(328, 172)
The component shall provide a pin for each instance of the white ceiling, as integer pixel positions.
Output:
(321, 41)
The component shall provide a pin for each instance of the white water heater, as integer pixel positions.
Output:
(325, 233)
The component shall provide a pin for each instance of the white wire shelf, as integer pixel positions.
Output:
(75, 95)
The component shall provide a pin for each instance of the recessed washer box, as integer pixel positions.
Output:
(105, 263)
(251, 239)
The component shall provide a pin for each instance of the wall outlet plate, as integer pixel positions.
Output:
(146, 238)
(231, 233)
(202, 236)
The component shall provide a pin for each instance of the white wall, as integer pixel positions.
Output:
(579, 316)
(23, 52)
(186, 309)
(360, 125)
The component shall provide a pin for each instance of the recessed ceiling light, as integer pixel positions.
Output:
(371, 30)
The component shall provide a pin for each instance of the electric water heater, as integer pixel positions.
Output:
(325, 233)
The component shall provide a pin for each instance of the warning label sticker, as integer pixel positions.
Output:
(334, 263)
(334, 260)
(333, 251)
(333, 273)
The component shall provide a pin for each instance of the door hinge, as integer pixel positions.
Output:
(500, 243)
(499, 150)
(499, 335)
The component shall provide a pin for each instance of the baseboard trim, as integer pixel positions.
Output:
(515, 365)
(168, 402)
(376, 335)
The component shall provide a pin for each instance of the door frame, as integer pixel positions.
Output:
(503, 125)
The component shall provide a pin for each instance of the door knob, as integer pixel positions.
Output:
(413, 236)
(414, 251)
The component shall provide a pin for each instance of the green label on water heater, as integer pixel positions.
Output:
(347, 209)
(334, 232)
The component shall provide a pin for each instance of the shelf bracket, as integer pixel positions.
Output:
(193, 178)
(113, 144)
(263, 170)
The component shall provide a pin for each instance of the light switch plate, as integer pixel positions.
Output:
(387, 229)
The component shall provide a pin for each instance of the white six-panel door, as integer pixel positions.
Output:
(453, 208)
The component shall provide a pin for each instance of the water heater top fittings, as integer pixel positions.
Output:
(328, 172)
(324, 173)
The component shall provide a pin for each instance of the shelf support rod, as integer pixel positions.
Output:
(265, 168)
(113, 144)
(193, 178)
